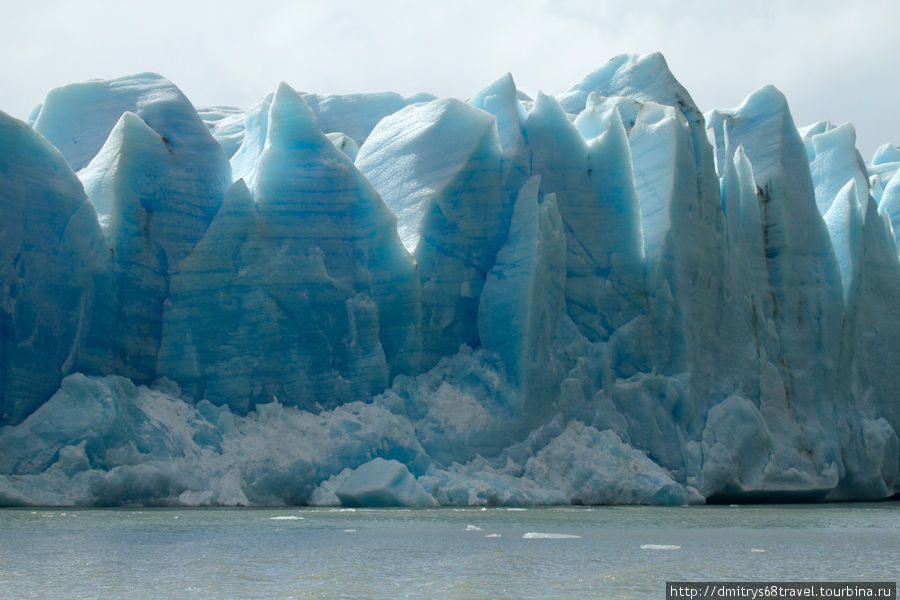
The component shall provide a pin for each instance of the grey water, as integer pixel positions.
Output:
(291, 553)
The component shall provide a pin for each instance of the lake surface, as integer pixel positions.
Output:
(290, 553)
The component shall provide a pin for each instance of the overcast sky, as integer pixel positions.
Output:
(832, 59)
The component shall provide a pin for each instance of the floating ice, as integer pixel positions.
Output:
(536, 535)
(382, 482)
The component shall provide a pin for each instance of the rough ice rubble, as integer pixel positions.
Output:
(102, 441)
(600, 300)
(147, 446)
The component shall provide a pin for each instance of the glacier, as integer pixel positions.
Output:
(602, 297)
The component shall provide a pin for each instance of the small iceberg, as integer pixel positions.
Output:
(660, 547)
(383, 483)
(536, 535)
(286, 518)
(473, 528)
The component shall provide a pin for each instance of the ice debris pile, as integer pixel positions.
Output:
(600, 297)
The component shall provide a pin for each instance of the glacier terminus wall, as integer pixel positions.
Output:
(601, 297)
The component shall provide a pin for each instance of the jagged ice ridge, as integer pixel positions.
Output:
(605, 297)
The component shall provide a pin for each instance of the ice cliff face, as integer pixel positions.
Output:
(600, 297)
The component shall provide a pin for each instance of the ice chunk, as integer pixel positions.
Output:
(160, 193)
(538, 535)
(382, 482)
(641, 77)
(595, 119)
(684, 271)
(317, 207)
(594, 467)
(872, 315)
(844, 219)
(79, 117)
(437, 167)
(736, 448)
(661, 151)
(758, 453)
(884, 166)
(595, 195)
(107, 441)
(749, 327)
(560, 156)
(462, 407)
(354, 115)
(889, 205)
(420, 97)
(180, 179)
(52, 262)
(156, 182)
(102, 442)
(500, 99)
(677, 185)
(226, 124)
(803, 279)
(218, 317)
(503, 101)
(347, 120)
(836, 161)
(523, 294)
(345, 144)
(809, 132)
(613, 296)
(255, 311)
(647, 78)
(886, 153)
(402, 161)
(256, 127)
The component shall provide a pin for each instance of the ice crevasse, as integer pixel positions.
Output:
(602, 297)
